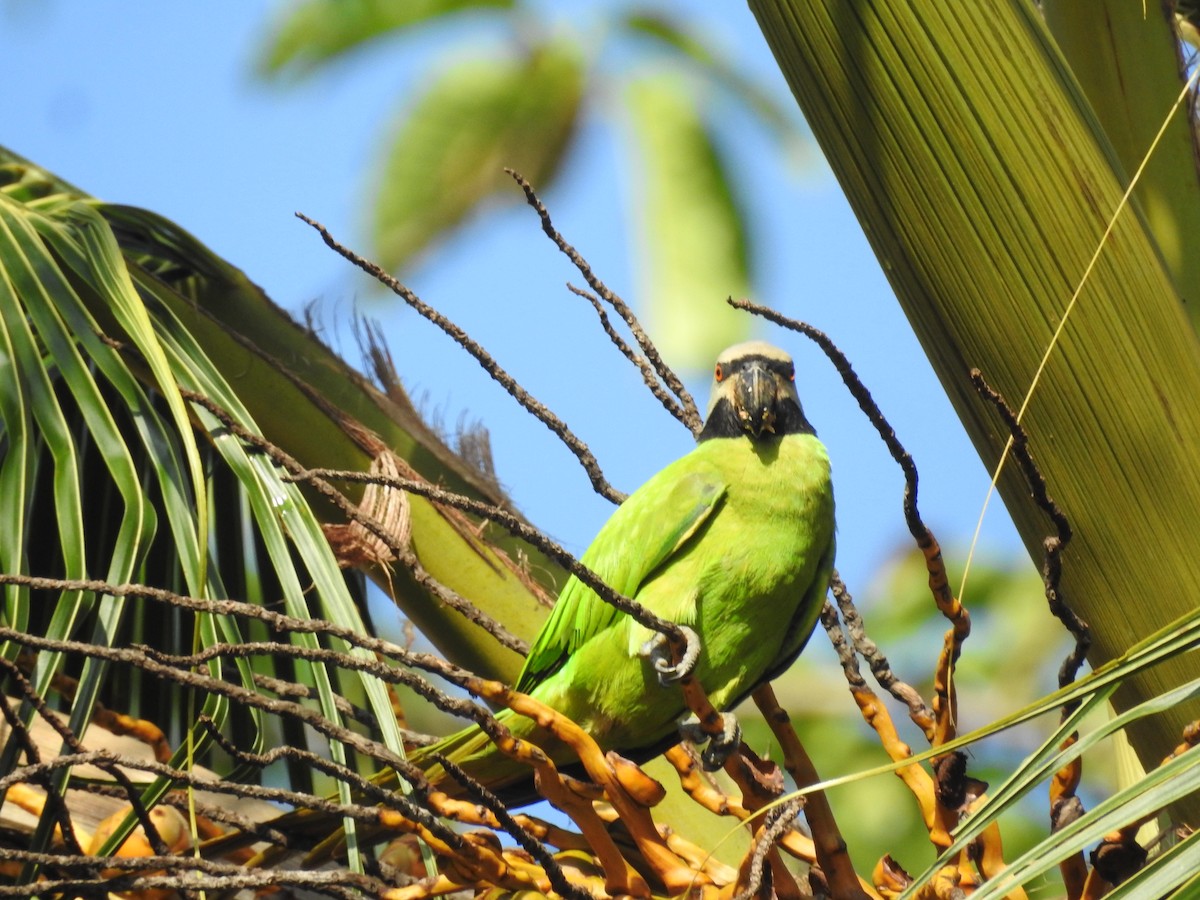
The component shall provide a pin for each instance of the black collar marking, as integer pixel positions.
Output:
(724, 423)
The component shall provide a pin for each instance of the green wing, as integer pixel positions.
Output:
(642, 536)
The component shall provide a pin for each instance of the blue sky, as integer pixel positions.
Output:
(156, 105)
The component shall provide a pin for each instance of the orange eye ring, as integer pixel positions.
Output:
(718, 374)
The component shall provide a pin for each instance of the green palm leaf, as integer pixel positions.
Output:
(112, 323)
(985, 183)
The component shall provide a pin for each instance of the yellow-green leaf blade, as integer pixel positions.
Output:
(312, 33)
(478, 118)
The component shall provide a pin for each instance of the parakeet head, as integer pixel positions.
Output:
(754, 393)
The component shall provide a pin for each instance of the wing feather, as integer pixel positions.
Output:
(644, 533)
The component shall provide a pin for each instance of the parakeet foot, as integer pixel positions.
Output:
(658, 651)
(720, 747)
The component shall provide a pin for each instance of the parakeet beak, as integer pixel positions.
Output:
(754, 398)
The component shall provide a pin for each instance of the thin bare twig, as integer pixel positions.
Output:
(691, 416)
(53, 797)
(1053, 545)
(515, 526)
(278, 621)
(876, 715)
(1064, 803)
(670, 404)
(398, 547)
(174, 668)
(422, 790)
(498, 374)
(366, 814)
(881, 669)
(71, 740)
(779, 821)
(139, 658)
(676, 637)
(91, 876)
(365, 787)
(283, 650)
(842, 645)
(532, 846)
(294, 691)
(180, 801)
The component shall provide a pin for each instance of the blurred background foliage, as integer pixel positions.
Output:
(524, 100)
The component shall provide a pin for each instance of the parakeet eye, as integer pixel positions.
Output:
(718, 374)
(791, 373)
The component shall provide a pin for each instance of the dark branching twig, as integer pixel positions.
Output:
(277, 621)
(1053, 545)
(88, 876)
(156, 663)
(690, 415)
(365, 814)
(53, 798)
(530, 844)
(842, 646)
(498, 374)
(294, 691)
(1064, 802)
(369, 790)
(920, 714)
(175, 668)
(72, 742)
(881, 669)
(778, 822)
(376, 668)
(139, 658)
(421, 787)
(183, 803)
(670, 404)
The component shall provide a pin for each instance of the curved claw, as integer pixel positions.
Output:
(658, 651)
(720, 747)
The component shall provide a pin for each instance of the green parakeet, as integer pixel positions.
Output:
(735, 540)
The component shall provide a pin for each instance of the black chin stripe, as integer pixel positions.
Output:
(791, 419)
(723, 422)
